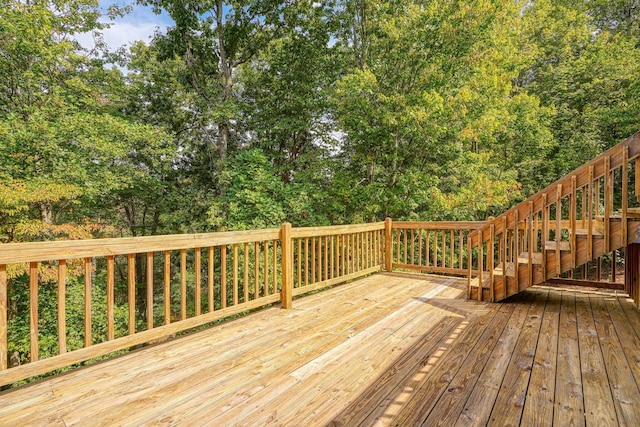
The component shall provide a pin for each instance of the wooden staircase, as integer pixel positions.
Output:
(579, 218)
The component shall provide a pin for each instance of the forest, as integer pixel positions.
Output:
(248, 113)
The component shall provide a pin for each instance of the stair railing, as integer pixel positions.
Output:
(544, 229)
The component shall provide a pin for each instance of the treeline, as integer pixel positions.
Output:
(248, 113)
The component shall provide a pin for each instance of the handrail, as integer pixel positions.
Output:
(615, 154)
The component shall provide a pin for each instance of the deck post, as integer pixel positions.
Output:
(287, 265)
(388, 244)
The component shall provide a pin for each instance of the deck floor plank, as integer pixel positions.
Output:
(389, 349)
(598, 401)
(451, 402)
(480, 403)
(626, 397)
(538, 408)
(569, 402)
(507, 409)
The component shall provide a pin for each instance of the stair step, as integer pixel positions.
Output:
(595, 233)
(510, 271)
(485, 282)
(551, 246)
(633, 212)
(536, 258)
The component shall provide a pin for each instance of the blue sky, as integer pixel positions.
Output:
(140, 24)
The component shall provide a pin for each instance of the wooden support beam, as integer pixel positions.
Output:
(286, 296)
(388, 244)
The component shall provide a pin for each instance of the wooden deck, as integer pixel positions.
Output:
(390, 349)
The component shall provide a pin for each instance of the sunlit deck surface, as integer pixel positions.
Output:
(390, 349)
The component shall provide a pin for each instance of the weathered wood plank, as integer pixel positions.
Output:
(538, 407)
(507, 409)
(624, 389)
(478, 406)
(450, 404)
(569, 407)
(598, 402)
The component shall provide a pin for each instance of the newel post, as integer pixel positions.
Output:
(388, 245)
(287, 265)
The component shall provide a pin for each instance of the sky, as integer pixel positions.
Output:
(140, 24)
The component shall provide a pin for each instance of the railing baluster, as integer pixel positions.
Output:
(516, 248)
(235, 274)
(426, 249)
(419, 246)
(266, 268)
(183, 284)
(149, 290)
(313, 260)
(111, 297)
(435, 248)
(480, 264)
(198, 279)
(444, 248)
(223, 275)
(210, 276)
(306, 261)
(245, 281)
(167, 287)
(530, 249)
(131, 291)
(558, 228)
(87, 302)
(490, 248)
(451, 247)
(469, 265)
(608, 202)
(62, 306)
(625, 193)
(33, 309)
(590, 216)
(326, 257)
(461, 250)
(332, 257)
(256, 268)
(505, 280)
(572, 220)
(275, 266)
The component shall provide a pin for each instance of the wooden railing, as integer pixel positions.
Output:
(576, 219)
(139, 290)
(432, 247)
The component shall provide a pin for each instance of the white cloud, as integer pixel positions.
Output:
(140, 24)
